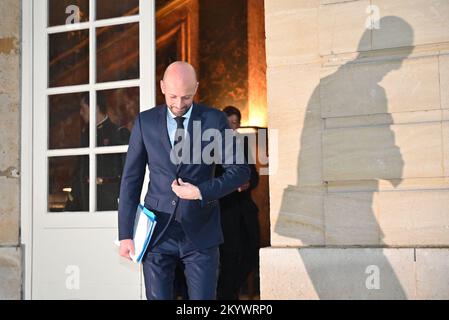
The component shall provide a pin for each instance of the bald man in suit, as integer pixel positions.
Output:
(183, 195)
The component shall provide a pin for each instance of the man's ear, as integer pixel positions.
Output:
(162, 86)
(196, 88)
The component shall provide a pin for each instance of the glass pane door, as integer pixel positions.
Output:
(93, 73)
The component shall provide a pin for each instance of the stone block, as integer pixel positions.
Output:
(294, 112)
(291, 35)
(276, 7)
(382, 152)
(300, 220)
(432, 273)
(10, 25)
(10, 274)
(444, 81)
(9, 211)
(351, 219)
(428, 20)
(414, 218)
(342, 27)
(378, 87)
(332, 273)
(445, 128)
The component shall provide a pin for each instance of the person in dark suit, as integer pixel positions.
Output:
(127, 100)
(183, 195)
(239, 253)
(108, 166)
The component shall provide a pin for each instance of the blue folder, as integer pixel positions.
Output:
(144, 225)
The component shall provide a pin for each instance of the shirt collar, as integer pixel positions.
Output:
(186, 115)
(102, 121)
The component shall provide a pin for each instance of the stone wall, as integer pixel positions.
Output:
(362, 116)
(10, 255)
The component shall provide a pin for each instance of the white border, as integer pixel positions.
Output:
(26, 146)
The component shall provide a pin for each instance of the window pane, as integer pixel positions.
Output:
(69, 58)
(111, 9)
(68, 120)
(118, 52)
(67, 12)
(120, 108)
(68, 188)
(109, 171)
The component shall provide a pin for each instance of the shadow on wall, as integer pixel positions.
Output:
(325, 156)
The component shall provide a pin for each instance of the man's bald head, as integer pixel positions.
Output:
(179, 86)
(180, 70)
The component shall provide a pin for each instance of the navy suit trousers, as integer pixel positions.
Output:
(200, 266)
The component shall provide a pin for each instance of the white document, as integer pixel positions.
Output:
(144, 225)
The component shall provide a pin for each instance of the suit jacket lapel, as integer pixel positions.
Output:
(162, 124)
(194, 116)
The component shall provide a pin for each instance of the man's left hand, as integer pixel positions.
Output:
(185, 190)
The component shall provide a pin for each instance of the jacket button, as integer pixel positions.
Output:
(173, 202)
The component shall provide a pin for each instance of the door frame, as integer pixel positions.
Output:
(26, 150)
(28, 102)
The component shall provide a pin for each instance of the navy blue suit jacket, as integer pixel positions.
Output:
(150, 145)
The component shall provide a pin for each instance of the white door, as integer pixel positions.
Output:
(86, 53)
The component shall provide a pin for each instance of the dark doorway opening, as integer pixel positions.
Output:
(225, 41)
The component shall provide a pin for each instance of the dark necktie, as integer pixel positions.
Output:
(179, 133)
(179, 136)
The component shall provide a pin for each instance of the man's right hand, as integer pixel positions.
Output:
(126, 248)
(243, 187)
